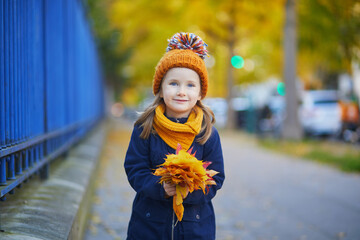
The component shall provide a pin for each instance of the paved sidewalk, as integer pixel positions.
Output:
(272, 196)
(266, 196)
(56, 208)
(114, 196)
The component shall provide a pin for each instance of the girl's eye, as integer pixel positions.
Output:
(191, 85)
(173, 83)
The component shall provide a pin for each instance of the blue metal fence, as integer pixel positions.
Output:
(51, 89)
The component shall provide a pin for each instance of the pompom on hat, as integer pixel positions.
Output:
(184, 50)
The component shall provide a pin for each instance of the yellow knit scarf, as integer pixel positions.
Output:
(173, 133)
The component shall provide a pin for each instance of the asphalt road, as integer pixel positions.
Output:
(266, 196)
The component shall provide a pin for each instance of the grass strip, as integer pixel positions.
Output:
(341, 155)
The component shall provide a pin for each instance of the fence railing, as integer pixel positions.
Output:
(51, 89)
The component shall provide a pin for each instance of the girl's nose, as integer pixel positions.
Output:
(181, 91)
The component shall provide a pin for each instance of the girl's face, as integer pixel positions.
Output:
(180, 89)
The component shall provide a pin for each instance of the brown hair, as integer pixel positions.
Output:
(146, 118)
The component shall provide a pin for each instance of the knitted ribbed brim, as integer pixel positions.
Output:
(181, 58)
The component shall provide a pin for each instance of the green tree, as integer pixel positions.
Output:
(329, 37)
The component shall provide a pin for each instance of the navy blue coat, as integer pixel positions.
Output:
(152, 213)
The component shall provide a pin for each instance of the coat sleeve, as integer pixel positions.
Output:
(212, 153)
(138, 168)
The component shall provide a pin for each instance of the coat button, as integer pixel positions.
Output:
(148, 215)
(197, 216)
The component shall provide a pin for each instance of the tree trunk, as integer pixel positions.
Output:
(291, 128)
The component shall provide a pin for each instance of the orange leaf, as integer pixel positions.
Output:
(183, 190)
(178, 209)
(178, 195)
(211, 173)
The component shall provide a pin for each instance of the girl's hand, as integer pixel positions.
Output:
(170, 189)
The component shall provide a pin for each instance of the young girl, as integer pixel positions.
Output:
(176, 116)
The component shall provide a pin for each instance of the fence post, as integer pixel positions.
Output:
(2, 171)
(11, 167)
(2, 76)
(18, 163)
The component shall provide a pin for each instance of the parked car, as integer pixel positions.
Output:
(320, 112)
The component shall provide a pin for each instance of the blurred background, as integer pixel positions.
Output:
(284, 75)
(252, 87)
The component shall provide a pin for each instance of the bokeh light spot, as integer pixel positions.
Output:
(281, 88)
(117, 109)
(237, 62)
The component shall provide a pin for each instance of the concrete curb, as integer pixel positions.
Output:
(57, 208)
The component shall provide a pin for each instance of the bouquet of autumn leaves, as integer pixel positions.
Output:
(188, 173)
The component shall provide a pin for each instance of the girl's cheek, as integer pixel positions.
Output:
(196, 91)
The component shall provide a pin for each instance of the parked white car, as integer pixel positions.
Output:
(320, 112)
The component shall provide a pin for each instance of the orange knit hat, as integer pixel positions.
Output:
(184, 50)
